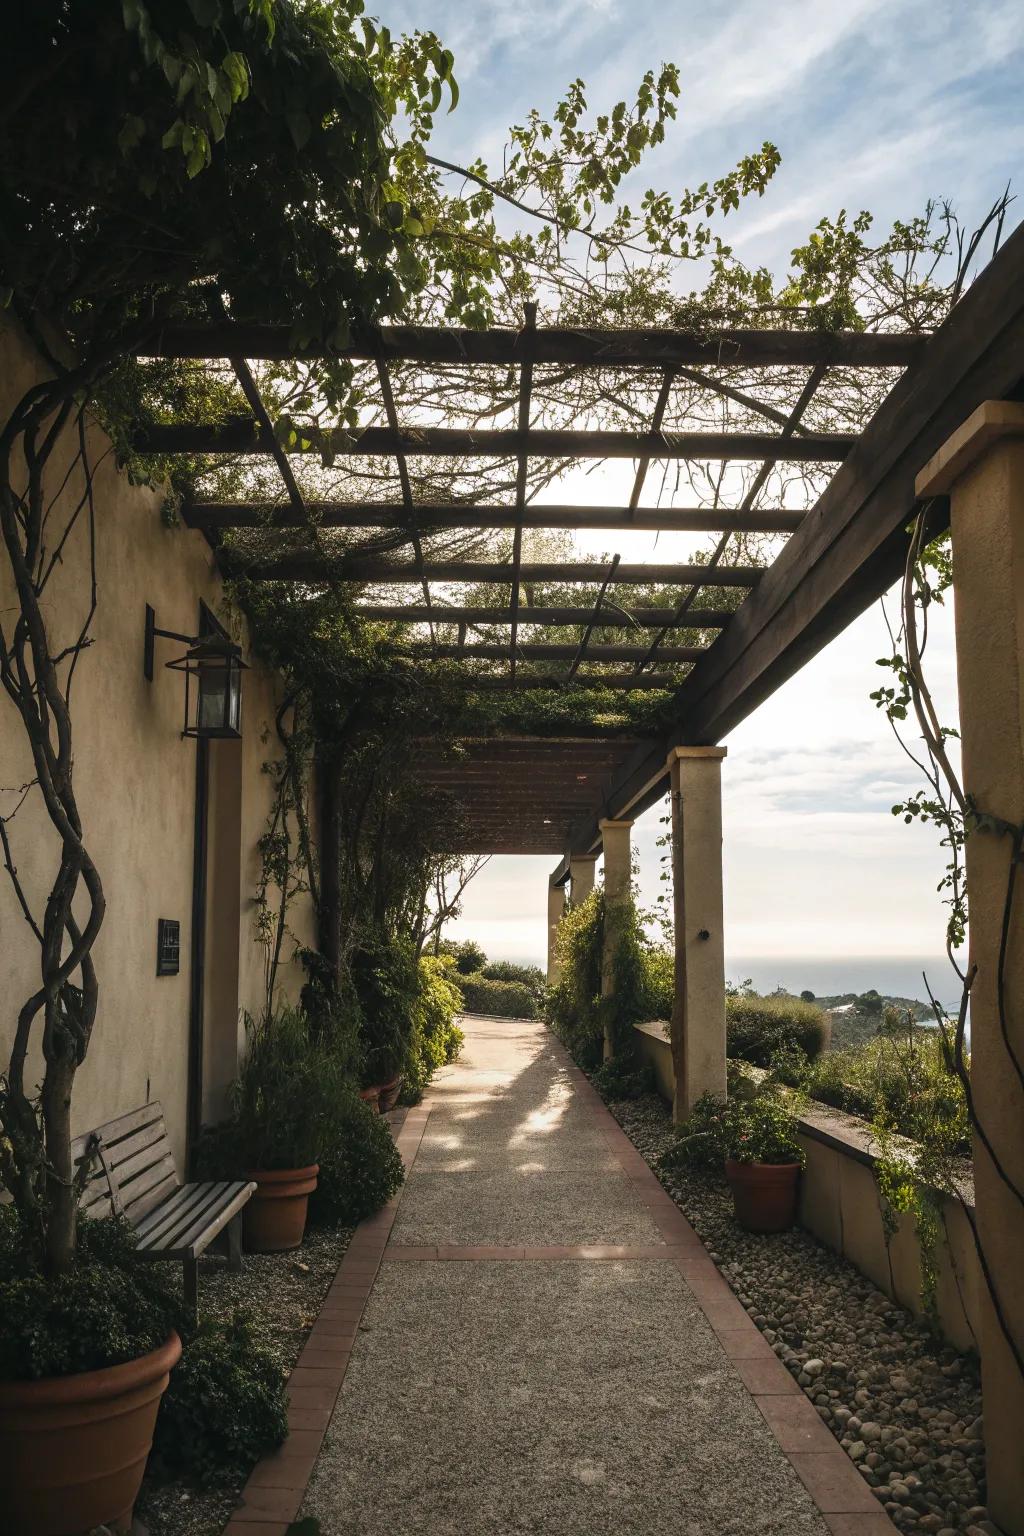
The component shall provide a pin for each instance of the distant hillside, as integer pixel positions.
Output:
(856, 1016)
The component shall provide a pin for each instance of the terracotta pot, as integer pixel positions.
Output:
(371, 1096)
(275, 1217)
(73, 1448)
(763, 1194)
(388, 1094)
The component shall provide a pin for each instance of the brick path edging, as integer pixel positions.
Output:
(277, 1485)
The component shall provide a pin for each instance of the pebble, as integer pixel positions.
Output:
(905, 1405)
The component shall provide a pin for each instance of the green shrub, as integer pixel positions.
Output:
(527, 975)
(661, 982)
(757, 1028)
(108, 1308)
(757, 1127)
(435, 1039)
(385, 974)
(616, 1079)
(508, 999)
(469, 958)
(574, 1002)
(284, 1097)
(360, 1166)
(226, 1404)
(902, 1077)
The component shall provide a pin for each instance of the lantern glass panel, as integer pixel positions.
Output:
(214, 708)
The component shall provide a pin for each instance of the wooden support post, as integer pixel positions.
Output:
(981, 467)
(556, 906)
(698, 1006)
(618, 896)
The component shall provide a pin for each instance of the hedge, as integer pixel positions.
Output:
(509, 999)
(757, 1028)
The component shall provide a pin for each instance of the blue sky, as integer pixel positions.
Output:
(878, 104)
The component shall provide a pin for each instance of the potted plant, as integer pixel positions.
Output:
(283, 1102)
(85, 1358)
(763, 1162)
(753, 1135)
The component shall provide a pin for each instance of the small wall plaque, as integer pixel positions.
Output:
(168, 946)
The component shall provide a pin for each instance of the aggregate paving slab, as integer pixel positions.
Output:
(541, 1395)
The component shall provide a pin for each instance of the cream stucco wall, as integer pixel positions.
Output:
(135, 779)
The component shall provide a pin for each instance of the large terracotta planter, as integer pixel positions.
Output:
(371, 1096)
(73, 1448)
(763, 1194)
(275, 1217)
(388, 1094)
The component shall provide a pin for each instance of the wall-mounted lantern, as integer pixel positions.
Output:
(213, 668)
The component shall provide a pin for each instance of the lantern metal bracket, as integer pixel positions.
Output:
(151, 637)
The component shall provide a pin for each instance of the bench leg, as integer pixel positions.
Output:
(191, 1271)
(235, 1243)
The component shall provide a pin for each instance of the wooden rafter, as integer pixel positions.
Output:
(408, 501)
(792, 421)
(585, 638)
(522, 471)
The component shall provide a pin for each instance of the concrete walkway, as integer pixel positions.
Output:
(532, 1339)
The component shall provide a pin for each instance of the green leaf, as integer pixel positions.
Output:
(300, 128)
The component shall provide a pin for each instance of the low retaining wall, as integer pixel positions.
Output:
(840, 1204)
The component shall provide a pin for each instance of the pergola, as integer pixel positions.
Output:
(947, 439)
(536, 795)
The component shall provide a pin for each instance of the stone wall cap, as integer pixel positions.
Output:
(994, 419)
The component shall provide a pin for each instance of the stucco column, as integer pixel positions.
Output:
(981, 468)
(582, 873)
(617, 900)
(698, 1004)
(556, 906)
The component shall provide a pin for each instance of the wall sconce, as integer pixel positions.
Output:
(213, 668)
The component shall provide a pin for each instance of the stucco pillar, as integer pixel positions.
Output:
(698, 1004)
(617, 900)
(556, 906)
(582, 872)
(981, 468)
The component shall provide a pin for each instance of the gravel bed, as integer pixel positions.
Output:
(904, 1405)
(284, 1292)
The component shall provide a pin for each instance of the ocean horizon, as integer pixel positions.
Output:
(827, 975)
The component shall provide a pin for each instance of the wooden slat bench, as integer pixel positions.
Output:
(134, 1176)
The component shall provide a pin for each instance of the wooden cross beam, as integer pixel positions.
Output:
(314, 568)
(612, 617)
(534, 651)
(241, 434)
(553, 344)
(212, 516)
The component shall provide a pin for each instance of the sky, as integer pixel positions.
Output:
(878, 104)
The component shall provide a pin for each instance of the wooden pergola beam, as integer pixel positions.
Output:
(611, 617)
(212, 516)
(373, 570)
(630, 682)
(241, 434)
(537, 651)
(598, 348)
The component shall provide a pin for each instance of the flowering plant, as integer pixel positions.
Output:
(760, 1128)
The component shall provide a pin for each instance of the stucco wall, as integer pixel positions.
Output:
(839, 1203)
(135, 780)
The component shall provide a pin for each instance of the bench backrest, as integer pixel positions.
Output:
(133, 1166)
